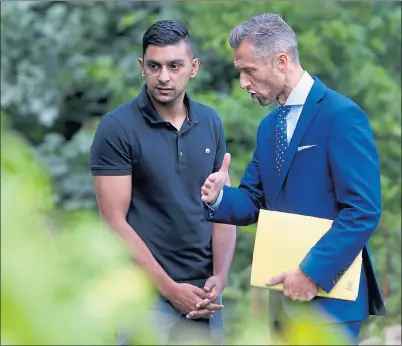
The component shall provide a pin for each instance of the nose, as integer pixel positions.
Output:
(244, 83)
(164, 77)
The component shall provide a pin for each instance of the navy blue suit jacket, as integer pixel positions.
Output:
(338, 178)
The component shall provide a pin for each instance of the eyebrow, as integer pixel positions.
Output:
(174, 61)
(243, 67)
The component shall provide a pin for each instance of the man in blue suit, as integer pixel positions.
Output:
(315, 155)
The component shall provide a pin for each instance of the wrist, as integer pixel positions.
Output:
(223, 277)
(216, 202)
(166, 287)
(306, 275)
(213, 202)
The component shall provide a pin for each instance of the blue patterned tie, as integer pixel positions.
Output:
(281, 137)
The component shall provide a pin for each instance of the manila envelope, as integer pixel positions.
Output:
(283, 240)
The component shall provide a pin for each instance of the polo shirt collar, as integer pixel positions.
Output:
(149, 111)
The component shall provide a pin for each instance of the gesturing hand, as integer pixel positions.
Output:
(215, 182)
(296, 285)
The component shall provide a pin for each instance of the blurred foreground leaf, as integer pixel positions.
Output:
(72, 285)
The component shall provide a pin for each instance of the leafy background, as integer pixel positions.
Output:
(65, 64)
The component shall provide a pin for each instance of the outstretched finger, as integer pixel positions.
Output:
(215, 307)
(225, 163)
(203, 304)
(203, 313)
(276, 279)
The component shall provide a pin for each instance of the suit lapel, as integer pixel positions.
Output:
(307, 115)
(271, 189)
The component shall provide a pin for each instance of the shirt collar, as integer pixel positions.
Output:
(149, 111)
(299, 94)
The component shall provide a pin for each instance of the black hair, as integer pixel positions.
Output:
(166, 33)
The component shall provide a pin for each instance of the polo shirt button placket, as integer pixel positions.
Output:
(179, 150)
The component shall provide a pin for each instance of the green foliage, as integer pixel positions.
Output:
(72, 283)
(62, 157)
(65, 64)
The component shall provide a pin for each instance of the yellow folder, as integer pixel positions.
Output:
(282, 241)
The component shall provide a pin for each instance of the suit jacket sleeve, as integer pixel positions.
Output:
(354, 166)
(240, 206)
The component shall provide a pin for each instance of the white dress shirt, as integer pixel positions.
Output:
(296, 100)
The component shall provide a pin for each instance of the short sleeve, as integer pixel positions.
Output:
(110, 152)
(221, 146)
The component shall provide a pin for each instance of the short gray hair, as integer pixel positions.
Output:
(269, 34)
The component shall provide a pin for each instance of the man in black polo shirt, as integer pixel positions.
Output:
(149, 159)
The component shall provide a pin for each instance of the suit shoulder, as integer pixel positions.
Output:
(338, 107)
(337, 101)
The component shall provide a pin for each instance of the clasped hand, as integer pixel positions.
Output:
(198, 302)
(296, 285)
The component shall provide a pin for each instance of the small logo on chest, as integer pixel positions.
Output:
(207, 151)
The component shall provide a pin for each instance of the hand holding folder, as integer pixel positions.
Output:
(283, 240)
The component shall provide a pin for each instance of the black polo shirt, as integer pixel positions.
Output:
(168, 168)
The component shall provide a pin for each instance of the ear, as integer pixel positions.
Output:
(195, 65)
(282, 62)
(141, 62)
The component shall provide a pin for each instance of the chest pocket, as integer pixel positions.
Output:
(310, 166)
